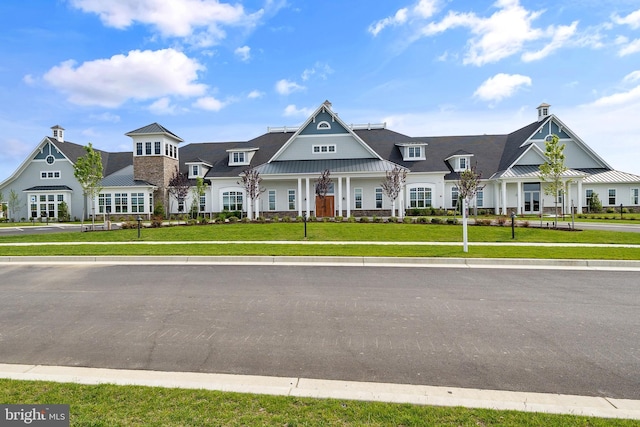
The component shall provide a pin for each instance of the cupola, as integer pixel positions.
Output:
(543, 111)
(58, 133)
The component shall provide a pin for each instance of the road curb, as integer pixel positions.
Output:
(592, 406)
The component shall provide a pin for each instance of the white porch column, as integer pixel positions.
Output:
(579, 207)
(339, 196)
(306, 197)
(519, 208)
(504, 197)
(299, 197)
(348, 196)
(401, 203)
(496, 198)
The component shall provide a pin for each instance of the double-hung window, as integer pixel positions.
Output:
(272, 200)
(292, 200)
(612, 196)
(358, 198)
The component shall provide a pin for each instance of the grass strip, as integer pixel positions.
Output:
(112, 405)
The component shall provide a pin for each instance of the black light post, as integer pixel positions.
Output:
(139, 219)
(513, 225)
(621, 211)
(304, 218)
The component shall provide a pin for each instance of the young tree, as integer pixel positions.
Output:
(323, 184)
(178, 188)
(2, 207)
(251, 182)
(392, 186)
(468, 187)
(552, 170)
(88, 172)
(198, 191)
(14, 203)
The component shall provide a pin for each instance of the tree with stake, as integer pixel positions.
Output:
(323, 184)
(392, 186)
(251, 182)
(88, 172)
(552, 170)
(14, 204)
(198, 191)
(178, 188)
(468, 187)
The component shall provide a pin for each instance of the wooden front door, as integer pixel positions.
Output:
(324, 206)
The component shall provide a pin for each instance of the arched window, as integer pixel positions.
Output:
(323, 125)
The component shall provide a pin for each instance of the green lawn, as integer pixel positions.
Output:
(111, 405)
(331, 232)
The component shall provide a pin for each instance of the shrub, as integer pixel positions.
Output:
(392, 219)
(483, 222)
(611, 210)
(158, 211)
(156, 221)
(233, 218)
(339, 218)
(244, 220)
(452, 221)
(364, 219)
(524, 224)
(436, 220)
(407, 220)
(501, 220)
(451, 213)
(378, 219)
(312, 218)
(286, 219)
(422, 220)
(351, 219)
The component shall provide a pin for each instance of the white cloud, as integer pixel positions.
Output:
(162, 106)
(139, 75)
(293, 111)
(255, 94)
(209, 103)
(285, 87)
(399, 18)
(631, 96)
(501, 86)
(630, 48)
(632, 77)
(105, 117)
(559, 38)
(321, 69)
(422, 10)
(29, 80)
(632, 19)
(200, 20)
(244, 53)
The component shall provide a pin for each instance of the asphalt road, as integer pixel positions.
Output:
(573, 332)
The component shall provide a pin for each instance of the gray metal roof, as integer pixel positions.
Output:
(123, 180)
(601, 176)
(318, 166)
(153, 128)
(533, 171)
(49, 188)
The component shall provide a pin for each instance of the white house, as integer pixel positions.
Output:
(290, 160)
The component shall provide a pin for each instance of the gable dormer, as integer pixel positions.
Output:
(58, 133)
(413, 151)
(241, 156)
(198, 168)
(459, 161)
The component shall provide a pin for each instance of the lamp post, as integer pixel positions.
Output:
(513, 225)
(139, 219)
(621, 206)
(304, 218)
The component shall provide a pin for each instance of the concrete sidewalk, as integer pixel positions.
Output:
(344, 261)
(347, 390)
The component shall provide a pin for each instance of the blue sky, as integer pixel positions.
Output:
(211, 70)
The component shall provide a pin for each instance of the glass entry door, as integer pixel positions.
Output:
(531, 198)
